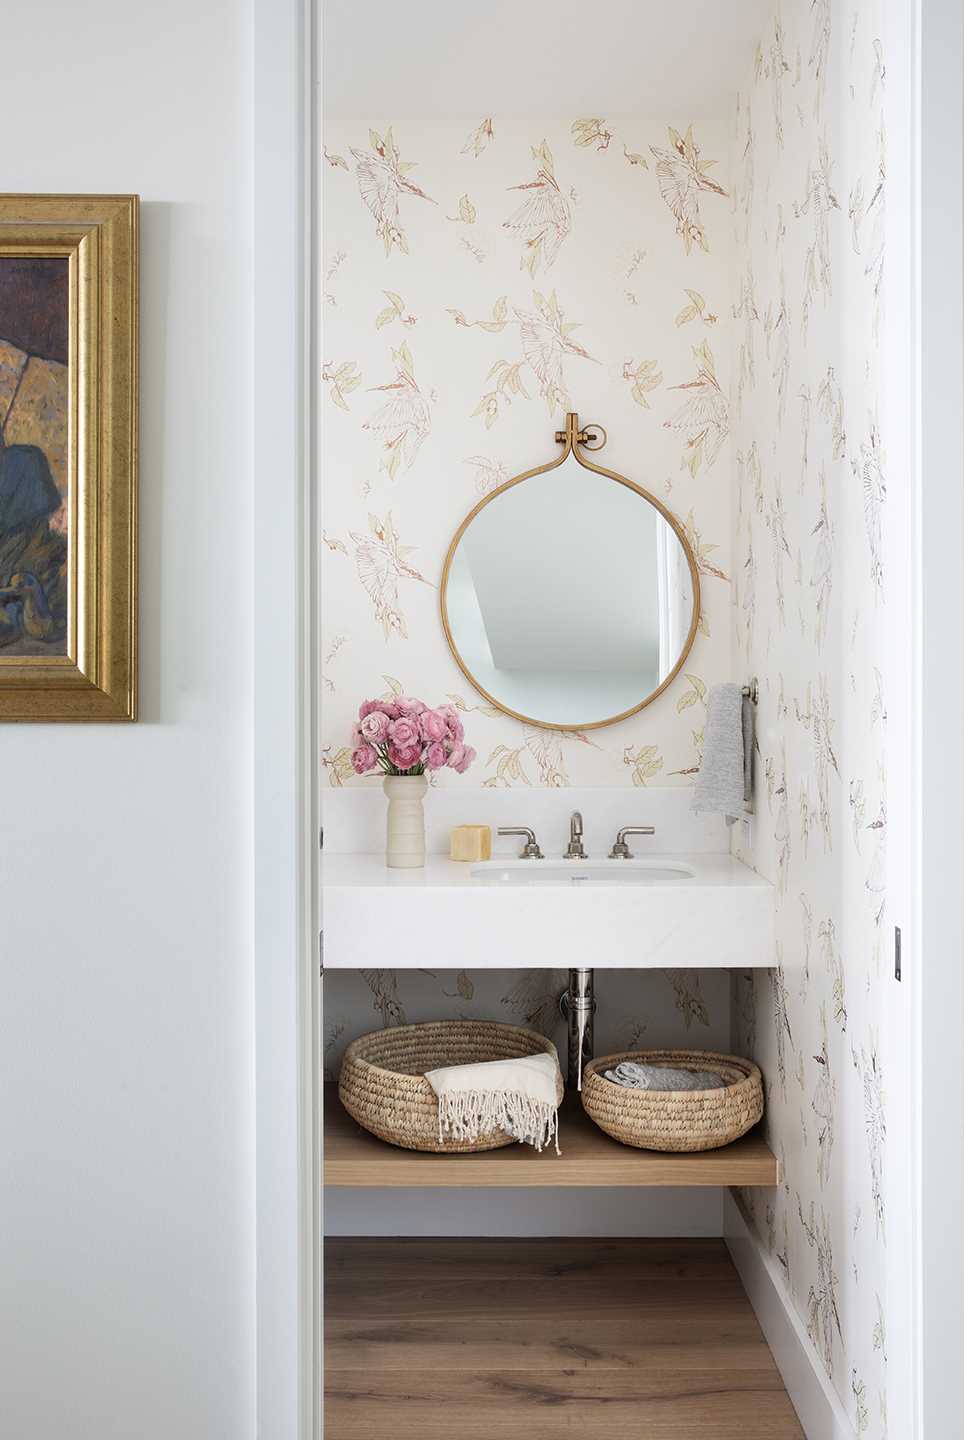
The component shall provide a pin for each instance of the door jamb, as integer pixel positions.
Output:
(938, 771)
(285, 781)
(287, 1145)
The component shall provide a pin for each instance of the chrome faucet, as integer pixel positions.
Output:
(575, 850)
(621, 850)
(530, 850)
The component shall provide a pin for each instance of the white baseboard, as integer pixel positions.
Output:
(813, 1397)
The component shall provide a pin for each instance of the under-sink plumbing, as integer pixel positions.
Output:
(578, 1006)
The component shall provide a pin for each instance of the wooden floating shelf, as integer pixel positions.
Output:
(589, 1157)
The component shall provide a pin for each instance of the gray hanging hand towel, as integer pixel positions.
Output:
(723, 785)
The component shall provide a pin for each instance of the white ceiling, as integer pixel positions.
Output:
(512, 55)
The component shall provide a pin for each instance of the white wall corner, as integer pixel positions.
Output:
(813, 1397)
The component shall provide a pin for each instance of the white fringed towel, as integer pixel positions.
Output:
(516, 1096)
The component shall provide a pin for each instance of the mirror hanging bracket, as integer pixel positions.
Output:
(592, 437)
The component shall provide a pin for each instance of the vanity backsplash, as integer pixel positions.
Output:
(354, 818)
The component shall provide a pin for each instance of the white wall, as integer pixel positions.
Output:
(126, 1104)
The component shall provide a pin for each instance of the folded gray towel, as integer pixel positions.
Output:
(662, 1077)
(724, 783)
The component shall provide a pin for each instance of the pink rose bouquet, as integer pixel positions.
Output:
(404, 736)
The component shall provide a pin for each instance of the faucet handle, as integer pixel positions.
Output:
(621, 850)
(530, 850)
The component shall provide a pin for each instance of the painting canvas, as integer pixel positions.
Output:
(68, 457)
(34, 414)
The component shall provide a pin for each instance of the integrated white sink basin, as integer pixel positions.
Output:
(688, 911)
(580, 872)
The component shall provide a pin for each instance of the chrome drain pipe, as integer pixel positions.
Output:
(578, 1005)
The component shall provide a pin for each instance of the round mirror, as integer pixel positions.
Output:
(570, 596)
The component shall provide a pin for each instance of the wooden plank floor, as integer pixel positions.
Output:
(539, 1339)
(589, 1157)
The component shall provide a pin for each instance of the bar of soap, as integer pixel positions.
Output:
(471, 842)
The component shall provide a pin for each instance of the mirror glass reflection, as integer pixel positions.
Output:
(569, 598)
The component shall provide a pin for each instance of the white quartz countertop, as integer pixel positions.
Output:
(719, 916)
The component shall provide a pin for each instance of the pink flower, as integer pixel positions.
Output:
(404, 757)
(409, 735)
(452, 721)
(374, 727)
(387, 707)
(461, 757)
(404, 733)
(433, 725)
(363, 759)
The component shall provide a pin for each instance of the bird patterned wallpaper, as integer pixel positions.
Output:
(718, 307)
(480, 277)
(653, 1008)
(809, 618)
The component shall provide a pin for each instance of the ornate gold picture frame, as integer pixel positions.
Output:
(68, 457)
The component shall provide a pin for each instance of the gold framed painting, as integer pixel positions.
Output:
(68, 457)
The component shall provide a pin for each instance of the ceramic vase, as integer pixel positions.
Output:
(405, 835)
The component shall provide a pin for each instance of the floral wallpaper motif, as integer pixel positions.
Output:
(809, 618)
(481, 275)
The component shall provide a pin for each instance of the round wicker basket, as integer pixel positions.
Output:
(383, 1086)
(675, 1119)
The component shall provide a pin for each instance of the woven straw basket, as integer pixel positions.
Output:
(675, 1119)
(383, 1086)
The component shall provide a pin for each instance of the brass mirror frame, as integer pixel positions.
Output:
(574, 441)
